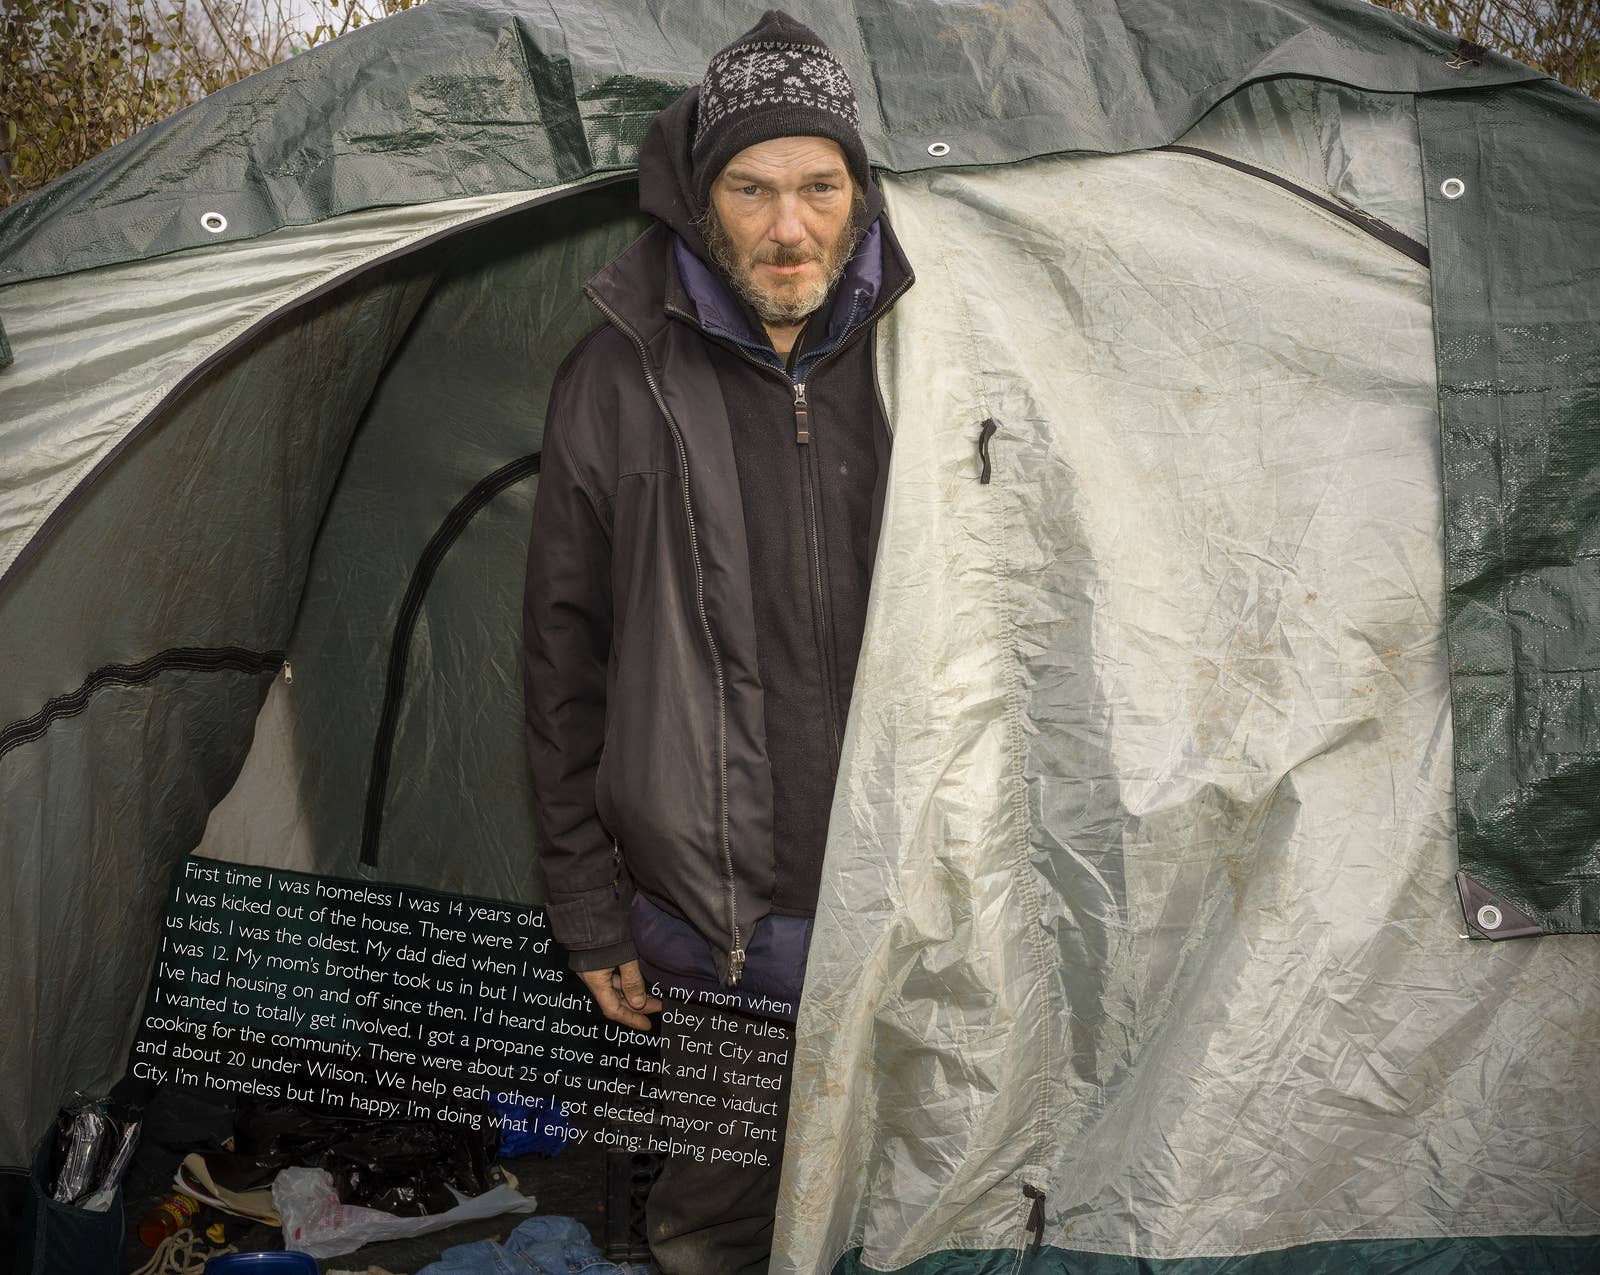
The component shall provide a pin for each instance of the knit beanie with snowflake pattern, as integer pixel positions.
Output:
(776, 80)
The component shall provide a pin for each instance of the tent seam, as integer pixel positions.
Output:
(1354, 232)
(141, 416)
(1004, 554)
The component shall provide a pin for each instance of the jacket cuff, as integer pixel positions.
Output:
(601, 917)
(602, 958)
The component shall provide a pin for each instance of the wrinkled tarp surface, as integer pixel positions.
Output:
(278, 510)
(1202, 963)
(477, 97)
(1138, 885)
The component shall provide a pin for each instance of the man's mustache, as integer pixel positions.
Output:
(788, 257)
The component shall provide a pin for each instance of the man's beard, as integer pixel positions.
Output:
(801, 302)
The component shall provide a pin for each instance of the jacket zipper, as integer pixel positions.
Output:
(802, 414)
(808, 475)
(736, 951)
(808, 480)
(823, 629)
(802, 419)
(802, 436)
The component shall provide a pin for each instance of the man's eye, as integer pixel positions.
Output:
(748, 190)
(822, 185)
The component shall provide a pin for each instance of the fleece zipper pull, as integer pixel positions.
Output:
(1035, 1216)
(802, 414)
(735, 963)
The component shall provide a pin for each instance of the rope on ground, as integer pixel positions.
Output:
(178, 1255)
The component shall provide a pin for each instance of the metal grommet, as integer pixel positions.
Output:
(1489, 917)
(215, 222)
(1453, 188)
(938, 148)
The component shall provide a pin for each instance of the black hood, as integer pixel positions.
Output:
(666, 188)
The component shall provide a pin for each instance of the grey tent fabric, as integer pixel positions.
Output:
(1140, 938)
(226, 498)
(1356, 147)
(494, 326)
(487, 96)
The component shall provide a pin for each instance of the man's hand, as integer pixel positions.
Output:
(620, 993)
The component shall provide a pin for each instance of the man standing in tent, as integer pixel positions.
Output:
(712, 479)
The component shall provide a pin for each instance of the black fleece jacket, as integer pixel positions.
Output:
(809, 511)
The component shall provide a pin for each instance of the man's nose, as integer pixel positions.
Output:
(788, 228)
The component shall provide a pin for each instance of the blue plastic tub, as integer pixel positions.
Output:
(262, 1264)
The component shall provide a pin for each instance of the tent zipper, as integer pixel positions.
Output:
(192, 659)
(433, 554)
(736, 950)
(1380, 230)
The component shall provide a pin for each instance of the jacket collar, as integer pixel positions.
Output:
(657, 274)
(852, 298)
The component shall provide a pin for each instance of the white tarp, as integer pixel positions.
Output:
(1139, 877)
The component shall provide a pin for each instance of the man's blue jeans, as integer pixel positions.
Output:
(704, 1218)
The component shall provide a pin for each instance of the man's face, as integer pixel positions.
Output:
(780, 224)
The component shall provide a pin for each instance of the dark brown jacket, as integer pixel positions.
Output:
(643, 629)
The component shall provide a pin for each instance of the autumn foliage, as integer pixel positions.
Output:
(79, 76)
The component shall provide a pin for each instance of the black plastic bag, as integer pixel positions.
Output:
(403, 1167)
